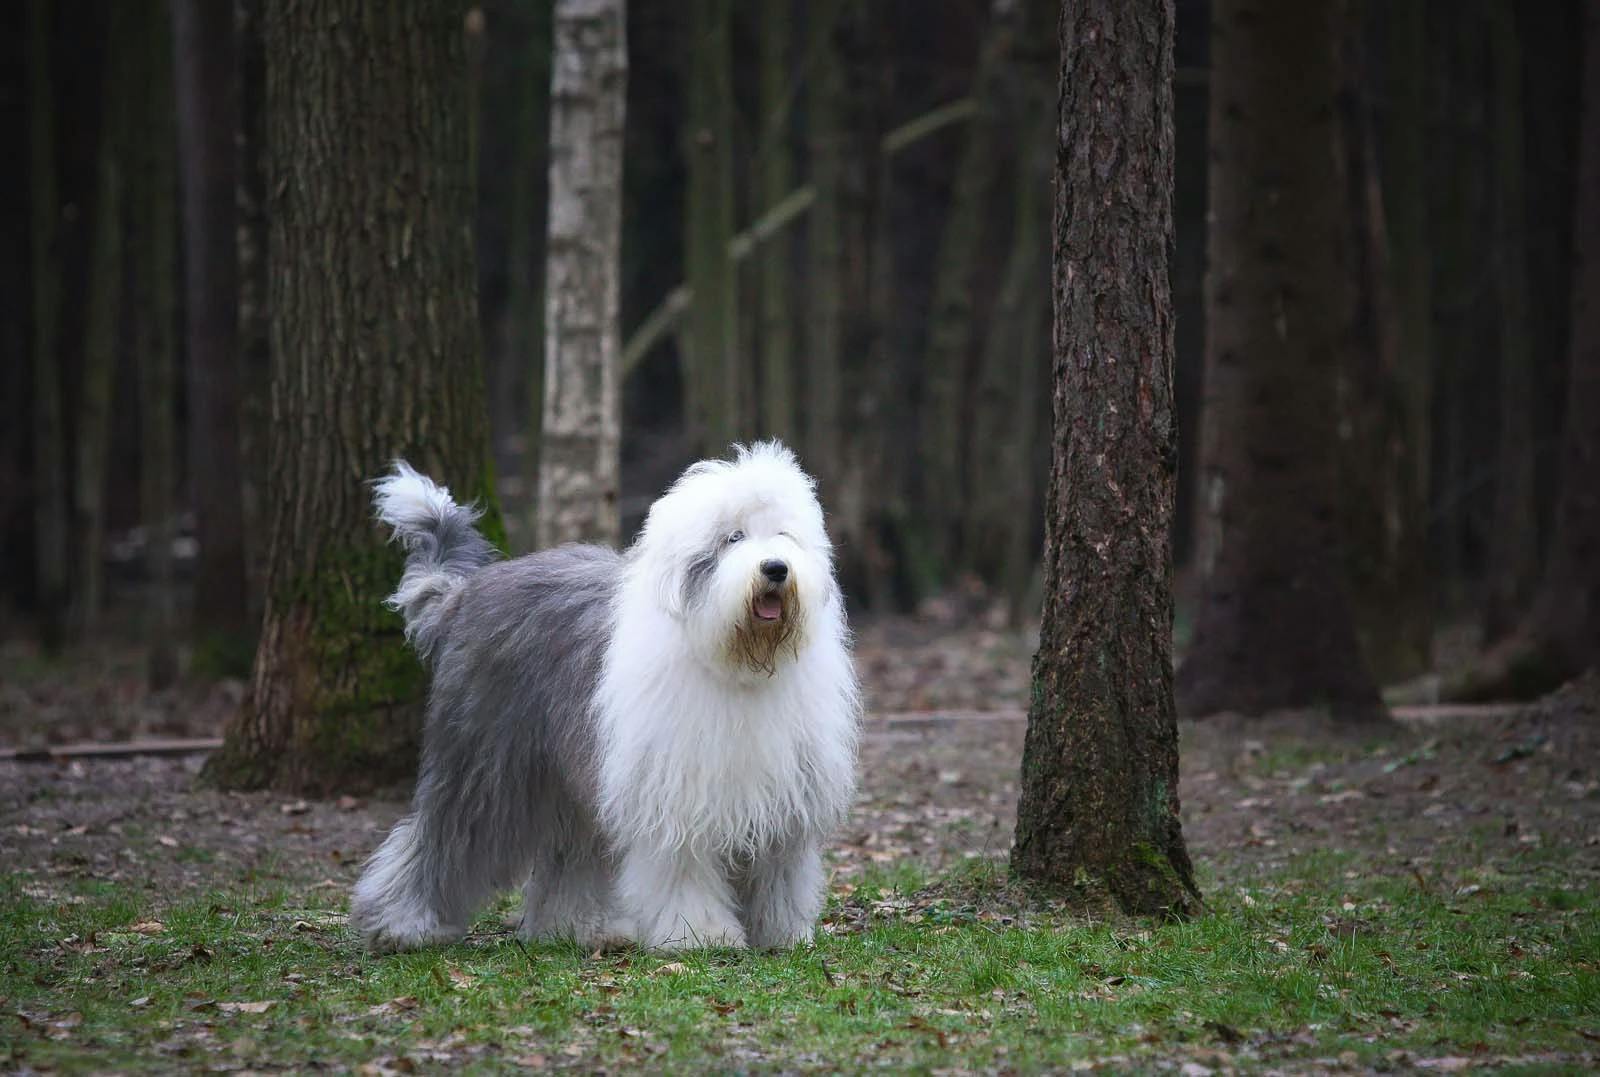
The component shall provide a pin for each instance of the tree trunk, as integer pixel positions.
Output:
(1514, 538)
(49, 430)
(1406, 210)
(203, 43)
(1098, 815)
(944, 430)
(102, 320)
(255, 353)
(524, 321)
(580, 461)
(1560, 637)
(779, 411)
(845, 281)
(1567, 615)
(155, 247)
(1274, 627)
(713, 333)
(376, 356)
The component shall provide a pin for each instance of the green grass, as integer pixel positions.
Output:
(1311, 963)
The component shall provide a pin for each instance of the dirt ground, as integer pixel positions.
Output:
(1434, 798)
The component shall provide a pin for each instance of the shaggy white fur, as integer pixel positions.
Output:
(657, 745)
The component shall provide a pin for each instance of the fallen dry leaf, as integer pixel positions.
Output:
(247, 1007)
(148, 927)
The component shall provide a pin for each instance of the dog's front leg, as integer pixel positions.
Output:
(677, 901)
(782, 894)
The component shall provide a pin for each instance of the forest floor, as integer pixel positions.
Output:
(1426, 897)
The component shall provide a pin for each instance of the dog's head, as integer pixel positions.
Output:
(737, 551)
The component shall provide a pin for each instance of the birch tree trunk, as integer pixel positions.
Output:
(1274, 628)
(375, 355)
(715, 385)
(49, 428)
(1098, 816)
(579, 460)
(203, 43)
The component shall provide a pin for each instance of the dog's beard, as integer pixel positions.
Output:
(768, 630)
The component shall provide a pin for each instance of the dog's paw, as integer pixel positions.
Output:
(704, 936)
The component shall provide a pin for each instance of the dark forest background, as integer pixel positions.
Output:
(1458, 131)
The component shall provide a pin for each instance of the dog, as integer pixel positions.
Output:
(655, 744)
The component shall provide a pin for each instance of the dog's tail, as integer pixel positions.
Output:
(444, 548)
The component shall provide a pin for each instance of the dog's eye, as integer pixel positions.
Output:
(737, 536)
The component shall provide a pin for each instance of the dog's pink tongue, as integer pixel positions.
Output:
(769, 607)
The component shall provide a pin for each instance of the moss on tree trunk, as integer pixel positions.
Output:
(1098, 816)
(374, 334)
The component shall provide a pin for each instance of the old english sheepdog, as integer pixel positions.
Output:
(655, 743)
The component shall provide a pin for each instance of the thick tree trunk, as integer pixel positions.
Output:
(255, 353)
(101, 323)
(376, 355)
(1098, 815)
(944, 431)
(579, 461)
(203, 43)
(49, 428)
(155, 235)
(1514, 538)
(1274, 627)
(779, 411)
(713, 332)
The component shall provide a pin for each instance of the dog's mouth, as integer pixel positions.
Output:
(768, 606)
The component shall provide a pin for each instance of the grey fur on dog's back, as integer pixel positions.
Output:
(509, 745)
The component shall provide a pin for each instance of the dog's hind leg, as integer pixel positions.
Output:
(397, 903)
(567, 894)
(781, 895)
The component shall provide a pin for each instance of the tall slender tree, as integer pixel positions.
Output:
(375, 355)
(100, 337)
(1274, 627)
(49, 427)
(779, 412)
(250, 202)
(714, 370)
(203, 42)
(1098, 815)
(579, 461)
(155, 236)
(1514, 539)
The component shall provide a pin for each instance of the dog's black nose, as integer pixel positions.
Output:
(775, 570)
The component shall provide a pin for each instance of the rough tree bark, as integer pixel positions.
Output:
(579, 460)
(1274, 627)
(1098, 815)
(376, 355)
(155, 236)
(1514, 539)
(713, 368)
(204, 54)
(49, 428)
(779, 411)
